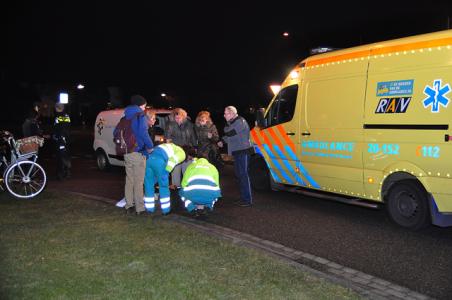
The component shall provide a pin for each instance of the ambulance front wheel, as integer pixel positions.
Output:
(259, 174)
(102, 161)
(407, 205)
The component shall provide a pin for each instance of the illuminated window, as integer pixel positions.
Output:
(283, 107)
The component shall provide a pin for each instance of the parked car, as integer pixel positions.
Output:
(106, 122)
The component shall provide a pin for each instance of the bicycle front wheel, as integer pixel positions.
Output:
(25, 179)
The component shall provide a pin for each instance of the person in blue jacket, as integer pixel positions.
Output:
(160, 162)
(135, 162)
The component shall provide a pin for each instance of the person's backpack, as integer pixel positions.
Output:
(123, 136)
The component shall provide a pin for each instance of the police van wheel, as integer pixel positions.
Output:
(102, 161)
(407, 205)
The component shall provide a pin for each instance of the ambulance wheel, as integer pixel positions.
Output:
(102, 161)
(407, 205)
(259, 175)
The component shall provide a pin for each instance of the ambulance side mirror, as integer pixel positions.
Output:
(261, 122)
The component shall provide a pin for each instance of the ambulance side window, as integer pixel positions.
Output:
(283, 107)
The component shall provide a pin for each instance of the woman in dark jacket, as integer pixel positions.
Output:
(208, 138)
(181, 132)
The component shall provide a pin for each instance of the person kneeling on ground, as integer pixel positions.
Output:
(200, 185)
(160, 162)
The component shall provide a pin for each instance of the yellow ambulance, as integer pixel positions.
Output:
(370, 124)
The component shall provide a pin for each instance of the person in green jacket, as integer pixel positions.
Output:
(160, 162)
(200, 186)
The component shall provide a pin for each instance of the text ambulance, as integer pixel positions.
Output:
(371, 123)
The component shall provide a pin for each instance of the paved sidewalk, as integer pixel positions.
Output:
(366, 285)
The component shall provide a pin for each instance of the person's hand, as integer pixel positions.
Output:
(220, 144)
(209, 135)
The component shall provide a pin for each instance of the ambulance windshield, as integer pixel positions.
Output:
(283, 107)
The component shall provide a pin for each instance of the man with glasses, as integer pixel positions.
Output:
(237, 137)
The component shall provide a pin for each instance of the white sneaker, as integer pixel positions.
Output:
(121, 203)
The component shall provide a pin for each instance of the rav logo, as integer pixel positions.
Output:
(393, 105)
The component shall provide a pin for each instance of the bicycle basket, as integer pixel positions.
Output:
(29, 144)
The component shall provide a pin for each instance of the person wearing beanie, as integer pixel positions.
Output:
(138, 100)
(135, 162)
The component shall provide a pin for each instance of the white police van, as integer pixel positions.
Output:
(106, 122)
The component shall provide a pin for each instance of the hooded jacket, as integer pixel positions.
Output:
(139, 128)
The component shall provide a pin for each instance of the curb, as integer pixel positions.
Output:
(368, 286)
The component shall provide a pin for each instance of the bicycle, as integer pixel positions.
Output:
(23, 177)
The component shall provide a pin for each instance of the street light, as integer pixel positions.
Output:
(166, 99)
(64, 98)
(80, 86)
(275, 88)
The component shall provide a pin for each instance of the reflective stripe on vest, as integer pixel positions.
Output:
(204, 177)
(168, 150)
(62, 119)
(201, 187)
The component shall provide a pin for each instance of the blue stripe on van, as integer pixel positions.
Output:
(277, 165)
(272, 173)
(288, 166)
(302, 169)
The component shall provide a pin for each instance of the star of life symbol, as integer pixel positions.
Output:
(436, 95)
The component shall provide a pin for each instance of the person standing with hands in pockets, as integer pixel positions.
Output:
(237, 137)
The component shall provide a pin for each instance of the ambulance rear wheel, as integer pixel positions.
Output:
(102, 161)
(407, 205)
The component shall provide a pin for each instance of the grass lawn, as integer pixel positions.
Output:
(61, 246)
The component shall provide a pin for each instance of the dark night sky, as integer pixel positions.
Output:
(221, 51)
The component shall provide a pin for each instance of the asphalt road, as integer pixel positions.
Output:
(360, 238)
